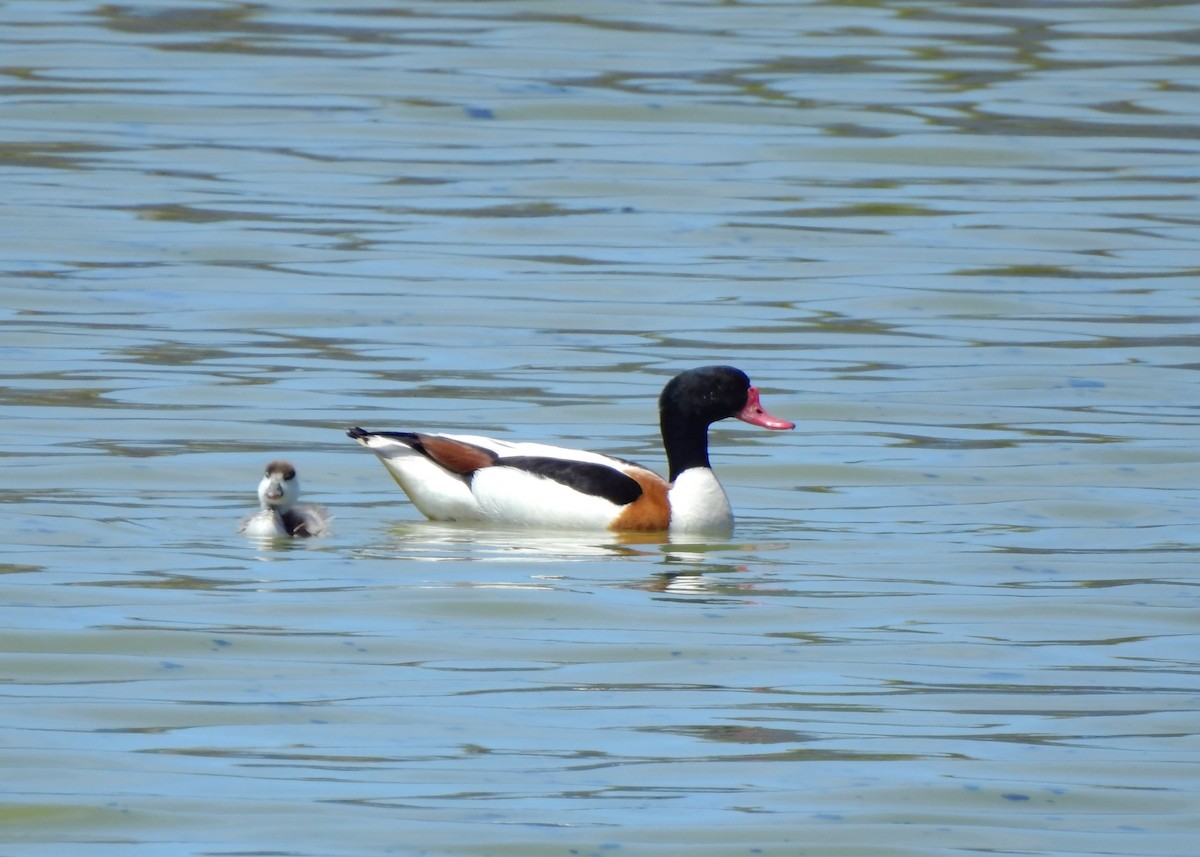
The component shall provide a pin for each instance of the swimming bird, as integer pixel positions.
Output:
(281, 513)
(462, 477)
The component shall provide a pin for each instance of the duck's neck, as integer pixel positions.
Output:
(685, 442)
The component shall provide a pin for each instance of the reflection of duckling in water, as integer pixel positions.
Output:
(281, 514)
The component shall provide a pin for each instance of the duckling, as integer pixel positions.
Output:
(281, 515)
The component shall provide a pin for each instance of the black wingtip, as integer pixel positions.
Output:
(357, 433)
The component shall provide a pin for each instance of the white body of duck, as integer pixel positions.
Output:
(455, 477)
(282, 515)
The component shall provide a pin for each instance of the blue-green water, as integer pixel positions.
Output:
(954, 242)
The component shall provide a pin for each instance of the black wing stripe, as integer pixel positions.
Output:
(587, 477)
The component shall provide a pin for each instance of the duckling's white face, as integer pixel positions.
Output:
(279, 488)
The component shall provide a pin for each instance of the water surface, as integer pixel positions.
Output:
(955, 242)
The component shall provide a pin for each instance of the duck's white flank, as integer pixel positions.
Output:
(504, 495)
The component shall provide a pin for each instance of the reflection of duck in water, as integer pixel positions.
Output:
(471, 478)
(281, 514)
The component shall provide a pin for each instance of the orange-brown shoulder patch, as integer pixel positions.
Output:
(651, 511)
(455, 455)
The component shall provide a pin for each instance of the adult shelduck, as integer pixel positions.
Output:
(282, 514)
(453, 477)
